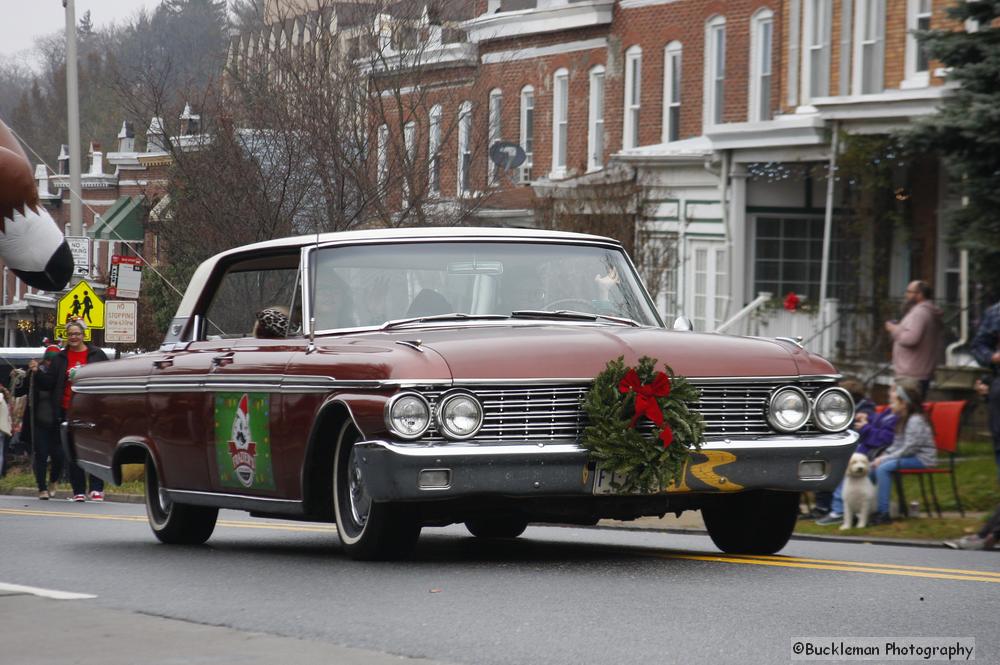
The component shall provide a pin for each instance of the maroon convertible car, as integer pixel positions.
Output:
(434, 376)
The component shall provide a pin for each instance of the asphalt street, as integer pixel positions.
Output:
(270, 591)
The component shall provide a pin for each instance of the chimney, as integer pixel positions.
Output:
(126, 138)
(190, 122)
(155, 135)
(96, 159)
(42, 178)
(64, 159)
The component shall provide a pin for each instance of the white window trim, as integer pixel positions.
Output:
(807, 48)
(711, 26)
(524, 173)
(913, 78)
(632, 55)
(760, 18)
(382, 155)
(495, 128)
(434, 150)
(410, 149)
(464, 141)
(595, 161)
(672, 49)
(560, 101)
(859, 33)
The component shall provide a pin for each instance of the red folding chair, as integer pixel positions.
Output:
(946, 419)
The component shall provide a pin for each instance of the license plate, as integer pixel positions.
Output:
(603, 480)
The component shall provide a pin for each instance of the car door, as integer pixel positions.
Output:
(180, 414)
(246, 451)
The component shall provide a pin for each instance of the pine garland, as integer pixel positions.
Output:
(649, 462)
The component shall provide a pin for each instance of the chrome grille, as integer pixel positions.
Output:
(554, 413)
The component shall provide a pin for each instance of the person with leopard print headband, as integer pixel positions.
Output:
(271, 323)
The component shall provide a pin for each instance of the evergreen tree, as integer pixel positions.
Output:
(966, 131)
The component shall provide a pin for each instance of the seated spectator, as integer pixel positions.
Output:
(875, 433)
(862, 403)
(913, 445)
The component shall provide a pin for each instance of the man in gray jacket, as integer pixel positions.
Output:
(917, 339)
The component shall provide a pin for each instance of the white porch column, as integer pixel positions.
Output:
(739, 288)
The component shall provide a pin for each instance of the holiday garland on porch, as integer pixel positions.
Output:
(619, 404)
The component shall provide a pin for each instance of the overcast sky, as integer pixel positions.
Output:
(21, 21)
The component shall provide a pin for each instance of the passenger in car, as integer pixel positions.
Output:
(271, 323)
(429, 303)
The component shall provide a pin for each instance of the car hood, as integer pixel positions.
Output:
(553, 351)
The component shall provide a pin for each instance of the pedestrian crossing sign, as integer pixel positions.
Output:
(81, 303)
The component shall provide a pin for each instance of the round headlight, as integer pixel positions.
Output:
(460, 416)
(788, 409)
(833, 410)
(408, 415)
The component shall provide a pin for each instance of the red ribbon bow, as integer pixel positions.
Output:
(645, 400)
(792, 301)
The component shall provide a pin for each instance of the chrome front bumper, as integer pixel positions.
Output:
(394, 471)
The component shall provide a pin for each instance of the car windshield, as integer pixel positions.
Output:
(369, 285)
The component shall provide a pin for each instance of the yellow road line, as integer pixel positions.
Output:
(778, 557)
(135, 518)
(755, 560)
(967, 576)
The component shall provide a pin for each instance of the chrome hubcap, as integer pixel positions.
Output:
(361, 502)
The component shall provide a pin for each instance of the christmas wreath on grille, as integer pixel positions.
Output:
(621, 405)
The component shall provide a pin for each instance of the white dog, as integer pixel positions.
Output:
(859, 492)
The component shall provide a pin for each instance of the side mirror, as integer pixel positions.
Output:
(683, 323)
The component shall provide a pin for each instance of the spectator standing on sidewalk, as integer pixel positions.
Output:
(917, 339)
(76, 354)
(986, 349)
(44, 429)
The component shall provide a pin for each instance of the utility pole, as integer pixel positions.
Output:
(73, 121)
